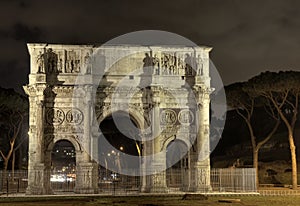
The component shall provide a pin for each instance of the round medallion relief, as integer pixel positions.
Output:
(74, 116)
(168, 117)
(55, 116)
(186, 117)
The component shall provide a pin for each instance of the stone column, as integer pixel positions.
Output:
(143, 184)
(39, 130)
(158, 179)
(145, 165)
(38, 174)
(202, 164)
(186, 174)
(87, 130)
(86, 169)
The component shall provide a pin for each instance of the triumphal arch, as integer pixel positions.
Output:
(164, 92)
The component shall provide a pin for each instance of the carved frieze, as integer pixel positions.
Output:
(51, 61)
(69, 129)
(174, 64)
(203, 176)
(72, 62)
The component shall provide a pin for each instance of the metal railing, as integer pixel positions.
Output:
(222, 180)
(13, 182)
(233, 180)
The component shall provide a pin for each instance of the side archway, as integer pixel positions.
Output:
(62, 156)
(177, 163)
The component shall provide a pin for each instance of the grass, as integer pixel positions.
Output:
(150, 201)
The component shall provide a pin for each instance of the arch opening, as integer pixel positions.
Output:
(119, 146)
(63, 166)
(177, 162)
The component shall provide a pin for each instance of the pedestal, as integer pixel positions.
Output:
(38, 181)
(202, 178)
(159, 183)
(86, 178)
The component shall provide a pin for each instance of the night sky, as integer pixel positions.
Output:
(248, 37)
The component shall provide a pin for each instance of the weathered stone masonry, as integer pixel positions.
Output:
(62, 74)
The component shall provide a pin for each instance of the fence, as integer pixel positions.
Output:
(233, 180)
(13, 182)
(222, 180)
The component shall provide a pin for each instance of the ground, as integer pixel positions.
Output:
(150, 201)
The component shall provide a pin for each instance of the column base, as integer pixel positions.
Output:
(38, 180)
(38, 191)
(145, 189)
(159, 190)
(86, 190)
(155, 189)
(86, 178)
(202, 177)
(201, 189)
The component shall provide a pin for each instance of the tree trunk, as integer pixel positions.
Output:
(294, 161)
(290, 128)
(255, 165)
(13, 164)
(5, 164)
(7, 158)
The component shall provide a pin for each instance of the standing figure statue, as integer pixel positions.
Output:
(148, 62)
(51, 61)
(59, 66)
(199, 66)
(188, 64)
(87, 63)
(156, 64)
(41, 63)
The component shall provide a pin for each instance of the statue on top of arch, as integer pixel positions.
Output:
(47, 62)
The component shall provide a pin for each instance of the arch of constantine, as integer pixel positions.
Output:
(75, 91)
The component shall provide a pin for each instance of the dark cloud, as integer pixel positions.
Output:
(4, 34)
(24, 4)
(22, 32)
(13, 75)
(247, 36)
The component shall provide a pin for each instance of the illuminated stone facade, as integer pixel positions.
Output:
(73, 88)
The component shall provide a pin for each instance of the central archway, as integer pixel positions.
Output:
(118, 140)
